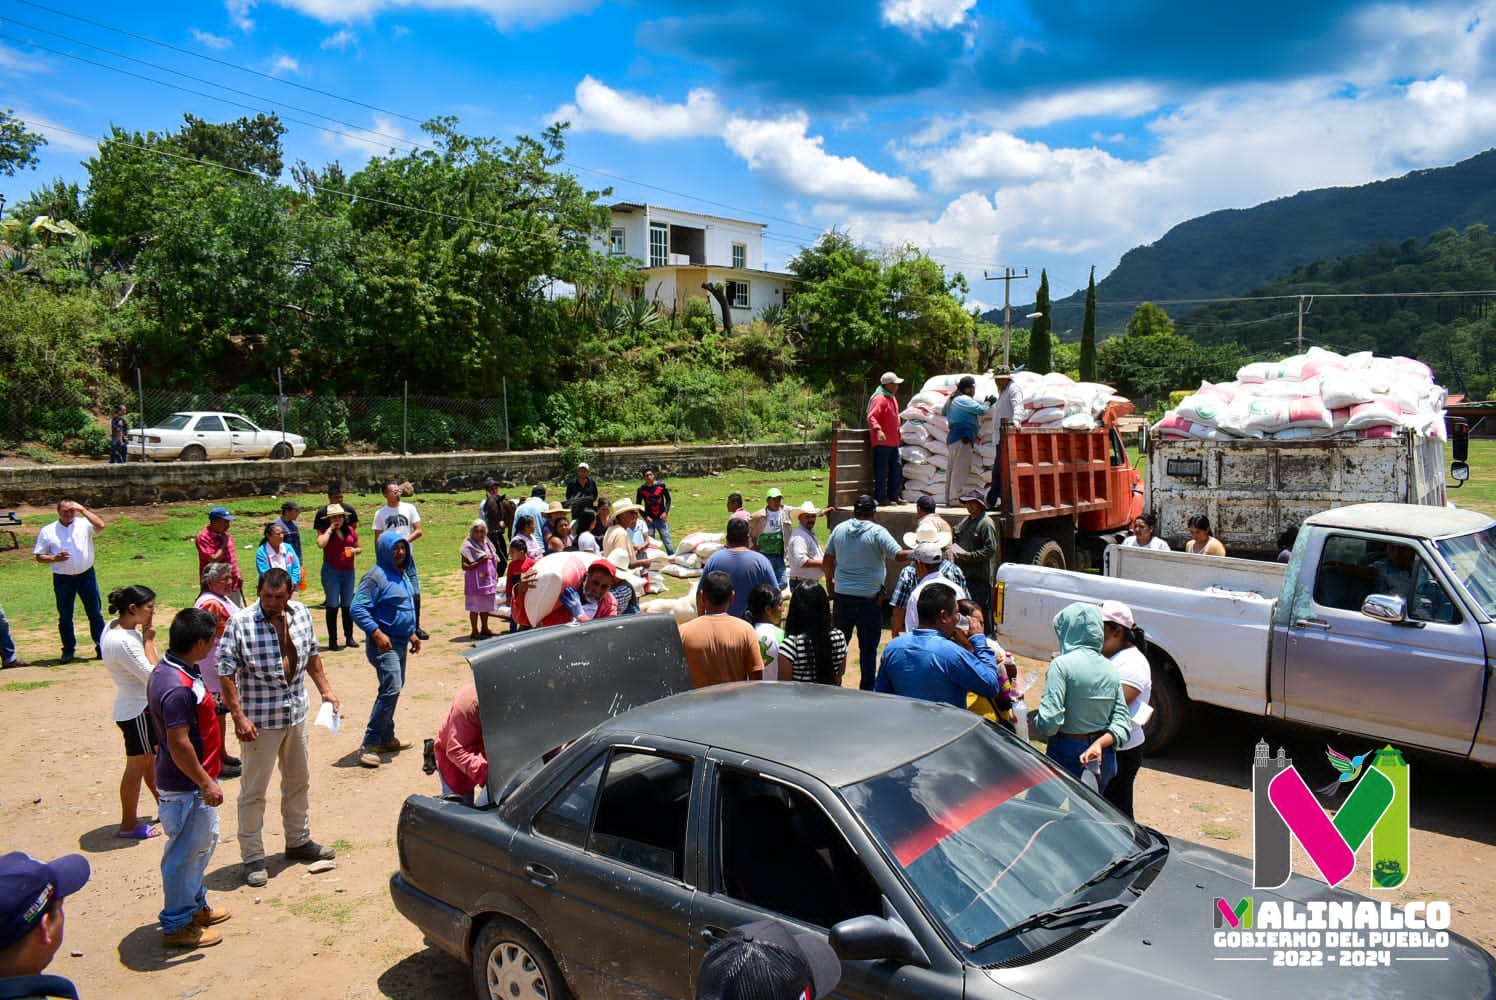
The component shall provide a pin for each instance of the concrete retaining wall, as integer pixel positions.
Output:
(171, 482)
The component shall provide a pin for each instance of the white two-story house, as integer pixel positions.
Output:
(681, 251)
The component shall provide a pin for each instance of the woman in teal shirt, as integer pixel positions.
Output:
(1082, 695)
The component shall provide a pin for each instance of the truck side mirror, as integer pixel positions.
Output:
(1385, 608)
(1459, 472)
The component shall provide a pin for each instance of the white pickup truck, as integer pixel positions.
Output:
(1383, 624)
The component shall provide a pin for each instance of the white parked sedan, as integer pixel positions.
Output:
(198, 435)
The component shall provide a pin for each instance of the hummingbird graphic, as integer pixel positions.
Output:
(1349, 768)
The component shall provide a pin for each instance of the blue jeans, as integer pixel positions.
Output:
(338, 585)
(888, 478)
(390, 669)
(67, 588)
(191, 828)
(7, 644)
(781, 574)
(661, 527)
(1066, 750)
(865, 616)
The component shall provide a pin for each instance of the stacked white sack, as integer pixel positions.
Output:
(1314, 395)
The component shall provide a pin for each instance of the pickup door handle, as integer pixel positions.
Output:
(540, 874)
(1316, 623)
(711, 933)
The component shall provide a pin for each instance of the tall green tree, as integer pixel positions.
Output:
(1039, 355)
(18, 144)
(1149, 320)
(1088, 334)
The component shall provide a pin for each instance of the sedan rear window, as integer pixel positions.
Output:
(989, 832)
(175, 422)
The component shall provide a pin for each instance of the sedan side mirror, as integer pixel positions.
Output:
(869, 938)
(1386, 608)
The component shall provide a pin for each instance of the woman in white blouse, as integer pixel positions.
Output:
(129, 653)
(1142, 535)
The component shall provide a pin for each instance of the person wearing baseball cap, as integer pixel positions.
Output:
(927, 563)
(290, 511)
(883, 429)
(765, 960)
(770, 528)
(581, 489)
(31, 921)
(215, 543)
(856, 565)
(595, 598)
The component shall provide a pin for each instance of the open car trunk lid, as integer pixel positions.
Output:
(541, 688)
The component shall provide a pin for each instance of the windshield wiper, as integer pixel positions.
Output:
(1127, 863)
(1059, 916)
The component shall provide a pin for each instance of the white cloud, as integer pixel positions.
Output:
(504, 13)
(780, 148)
(284, 64)
(69, 141)
(15, 62)
(239, 13)
(385, 134)
(600, 108)
(340, 40)
(212, 41)
(917, 15)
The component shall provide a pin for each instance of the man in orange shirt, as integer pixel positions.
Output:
(719, 648)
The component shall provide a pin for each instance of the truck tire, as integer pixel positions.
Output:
(1041, 552)
(1169, 700)
(510, 963)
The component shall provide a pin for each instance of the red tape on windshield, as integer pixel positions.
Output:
(914, 846)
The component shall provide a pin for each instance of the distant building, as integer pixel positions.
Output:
(681, 251)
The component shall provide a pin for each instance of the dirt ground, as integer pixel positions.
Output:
(338, 935)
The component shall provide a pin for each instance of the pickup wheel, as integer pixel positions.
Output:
(510, 963)
(1169, 700)
(1041, 552)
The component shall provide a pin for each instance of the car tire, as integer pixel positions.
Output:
(194, 453)
(1041, 552)
(282, 451)
(510, 963)
(1169, 700)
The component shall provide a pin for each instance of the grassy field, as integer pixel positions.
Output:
(154, 545)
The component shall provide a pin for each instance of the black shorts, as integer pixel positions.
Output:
(140, 735)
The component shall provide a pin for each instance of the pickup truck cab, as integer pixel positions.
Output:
(1380, 625)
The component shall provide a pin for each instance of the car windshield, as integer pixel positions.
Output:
(175, 422)
(1473, 559)
(990, 833)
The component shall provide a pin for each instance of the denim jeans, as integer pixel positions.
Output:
(338, 585)
(887, 474)
(781, 573)
(661, 527)
(191, 827)
(389, 668)
(67, 588)
(865, 616)
(1066, 750)
(7, 644)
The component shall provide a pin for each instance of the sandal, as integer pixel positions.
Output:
(144, 831)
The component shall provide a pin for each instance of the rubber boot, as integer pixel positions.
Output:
(347, 626)
(332, 628)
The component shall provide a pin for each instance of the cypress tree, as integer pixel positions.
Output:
(1039, 359)
(1088, 334)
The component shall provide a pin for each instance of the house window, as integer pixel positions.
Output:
(659, 244)
(737, 294)
(615, 241)
(739, 255)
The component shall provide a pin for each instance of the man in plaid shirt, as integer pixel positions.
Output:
(267, 652)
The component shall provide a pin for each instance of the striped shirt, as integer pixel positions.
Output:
(250, 653)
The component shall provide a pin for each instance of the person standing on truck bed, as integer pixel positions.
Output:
(883, 429)
(965, 415)
(855, 562)
(1201, 542)
(974, 549)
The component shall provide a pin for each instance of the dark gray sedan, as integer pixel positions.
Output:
(942, 856)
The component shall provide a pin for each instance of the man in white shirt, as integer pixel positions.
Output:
(926, 565)
(67, 546)
(404, 520)
(804, 552)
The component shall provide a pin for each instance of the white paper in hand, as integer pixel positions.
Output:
(328, 719)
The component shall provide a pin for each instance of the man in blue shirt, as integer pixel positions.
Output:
(747, 568)
(965, 415)
(855, 561)
(941, 661)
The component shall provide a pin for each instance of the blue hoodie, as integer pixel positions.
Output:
(383, 602)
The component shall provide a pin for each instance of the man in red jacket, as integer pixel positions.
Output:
(883, 425)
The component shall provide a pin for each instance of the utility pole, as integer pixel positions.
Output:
(1302, 310)
(1007, 278)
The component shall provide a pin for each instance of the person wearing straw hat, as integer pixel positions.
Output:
(626, 584)
(883, 429)
(931, 528)
(803, 553)
(927, 563)
(623, 536)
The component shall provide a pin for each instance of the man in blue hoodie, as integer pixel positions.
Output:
(385, 610)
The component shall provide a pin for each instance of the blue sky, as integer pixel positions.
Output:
(1042, 133)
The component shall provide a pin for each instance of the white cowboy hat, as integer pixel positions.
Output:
(928, 531)
(808, 507)
(620, 561)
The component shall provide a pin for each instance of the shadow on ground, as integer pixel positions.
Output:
(102, 839)
(429, 973)
(1217, 746)
(142, 951)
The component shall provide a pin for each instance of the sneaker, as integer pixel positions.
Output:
(369, 757)
(210, 915)
(255, 874)
(192, 936)
(348, 641)
(17, 662)
(394, 746)
(66, 659)
(230, 771)
(310, 851)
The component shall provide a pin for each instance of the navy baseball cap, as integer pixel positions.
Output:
(29, 886)
(220, 513)
(864, 505)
